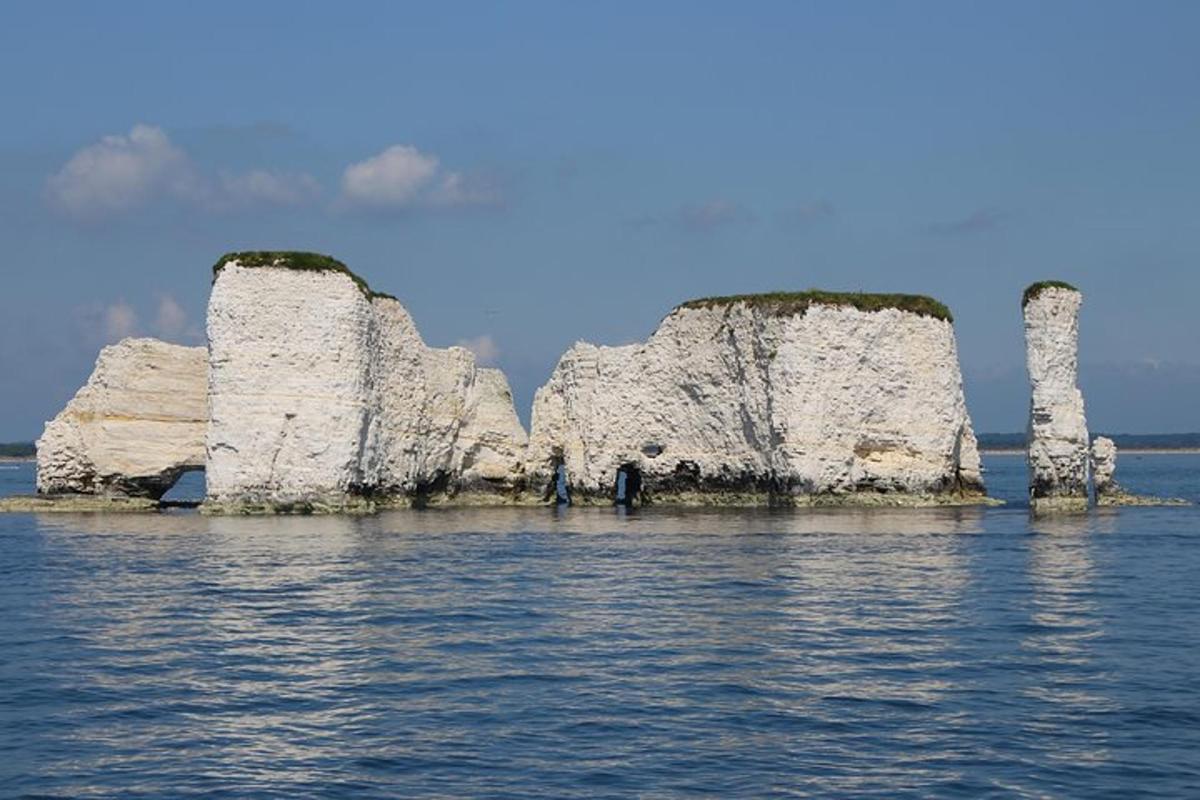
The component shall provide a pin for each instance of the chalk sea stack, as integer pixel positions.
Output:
(781, 399)
(132, 429)
(1058, 433)
(317, 394)
(324, 398)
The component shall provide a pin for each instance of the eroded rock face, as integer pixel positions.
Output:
(739, 404)
(135, 426)
(1058, 435)
(1104, 464)
(324, 397)
(444, 427)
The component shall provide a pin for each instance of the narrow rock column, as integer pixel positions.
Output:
(1058, 435)
(1104, 464)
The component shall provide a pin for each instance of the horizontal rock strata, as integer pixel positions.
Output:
(778, 399)
(136, 425)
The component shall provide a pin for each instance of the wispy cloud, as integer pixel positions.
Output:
(807, 214)
(126, 172)
(985, 219)
(120, 320)
(701, 217)
(484, 347)
(402, 177)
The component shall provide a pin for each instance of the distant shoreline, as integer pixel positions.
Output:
(1146, 451)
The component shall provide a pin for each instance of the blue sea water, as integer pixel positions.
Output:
(603, 653)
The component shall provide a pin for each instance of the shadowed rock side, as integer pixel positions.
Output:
(443, 428)
(131, 431)
(324, 398)
(1058, 435)
(742, 403)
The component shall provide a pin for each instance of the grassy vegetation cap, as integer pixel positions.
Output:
(1034, 289)
(792, 303)
(294, 259)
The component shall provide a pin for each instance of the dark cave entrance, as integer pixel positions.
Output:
(558, 488)
(629, 485)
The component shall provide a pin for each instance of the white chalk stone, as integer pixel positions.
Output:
(134, 428)
(324, 397)
(738, 404)
(1058, 434)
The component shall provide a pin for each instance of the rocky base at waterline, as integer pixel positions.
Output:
(1111, 493)
(78, 503)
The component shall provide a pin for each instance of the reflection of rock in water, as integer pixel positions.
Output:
(244, 622)
(710, 521)
(1065, 621)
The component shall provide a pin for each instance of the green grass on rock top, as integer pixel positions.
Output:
(796, 303)
(294, 259)
(1034, 289)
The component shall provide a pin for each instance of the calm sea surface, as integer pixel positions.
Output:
(596, 653)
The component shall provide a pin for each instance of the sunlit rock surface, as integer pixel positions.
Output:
(323, 397)
(135, 426)
(1058, 434)
(745, 401)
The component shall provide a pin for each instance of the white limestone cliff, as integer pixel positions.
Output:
(1058, 435)
(288, 385)
(324, 397)
(444, 427)
(133, 428)
(764, 400)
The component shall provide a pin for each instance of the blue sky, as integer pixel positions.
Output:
(524, 175)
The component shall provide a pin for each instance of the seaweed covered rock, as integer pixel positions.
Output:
(765, 399)
(133, 428)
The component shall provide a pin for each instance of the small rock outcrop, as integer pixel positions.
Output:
(324, 397)
(1058, 434)
(785, 399)
(135, 426)
(1108, 491)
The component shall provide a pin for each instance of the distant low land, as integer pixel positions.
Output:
(1157, 442)
(17, 451)
(988, 443)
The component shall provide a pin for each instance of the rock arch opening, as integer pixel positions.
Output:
(186, 488)
(629, 486)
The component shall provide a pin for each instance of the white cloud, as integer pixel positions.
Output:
(484, 347)
(395, 177)
(119, 173)
(120, 321)
(402, 177)
(171, 320)
(457, 190)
